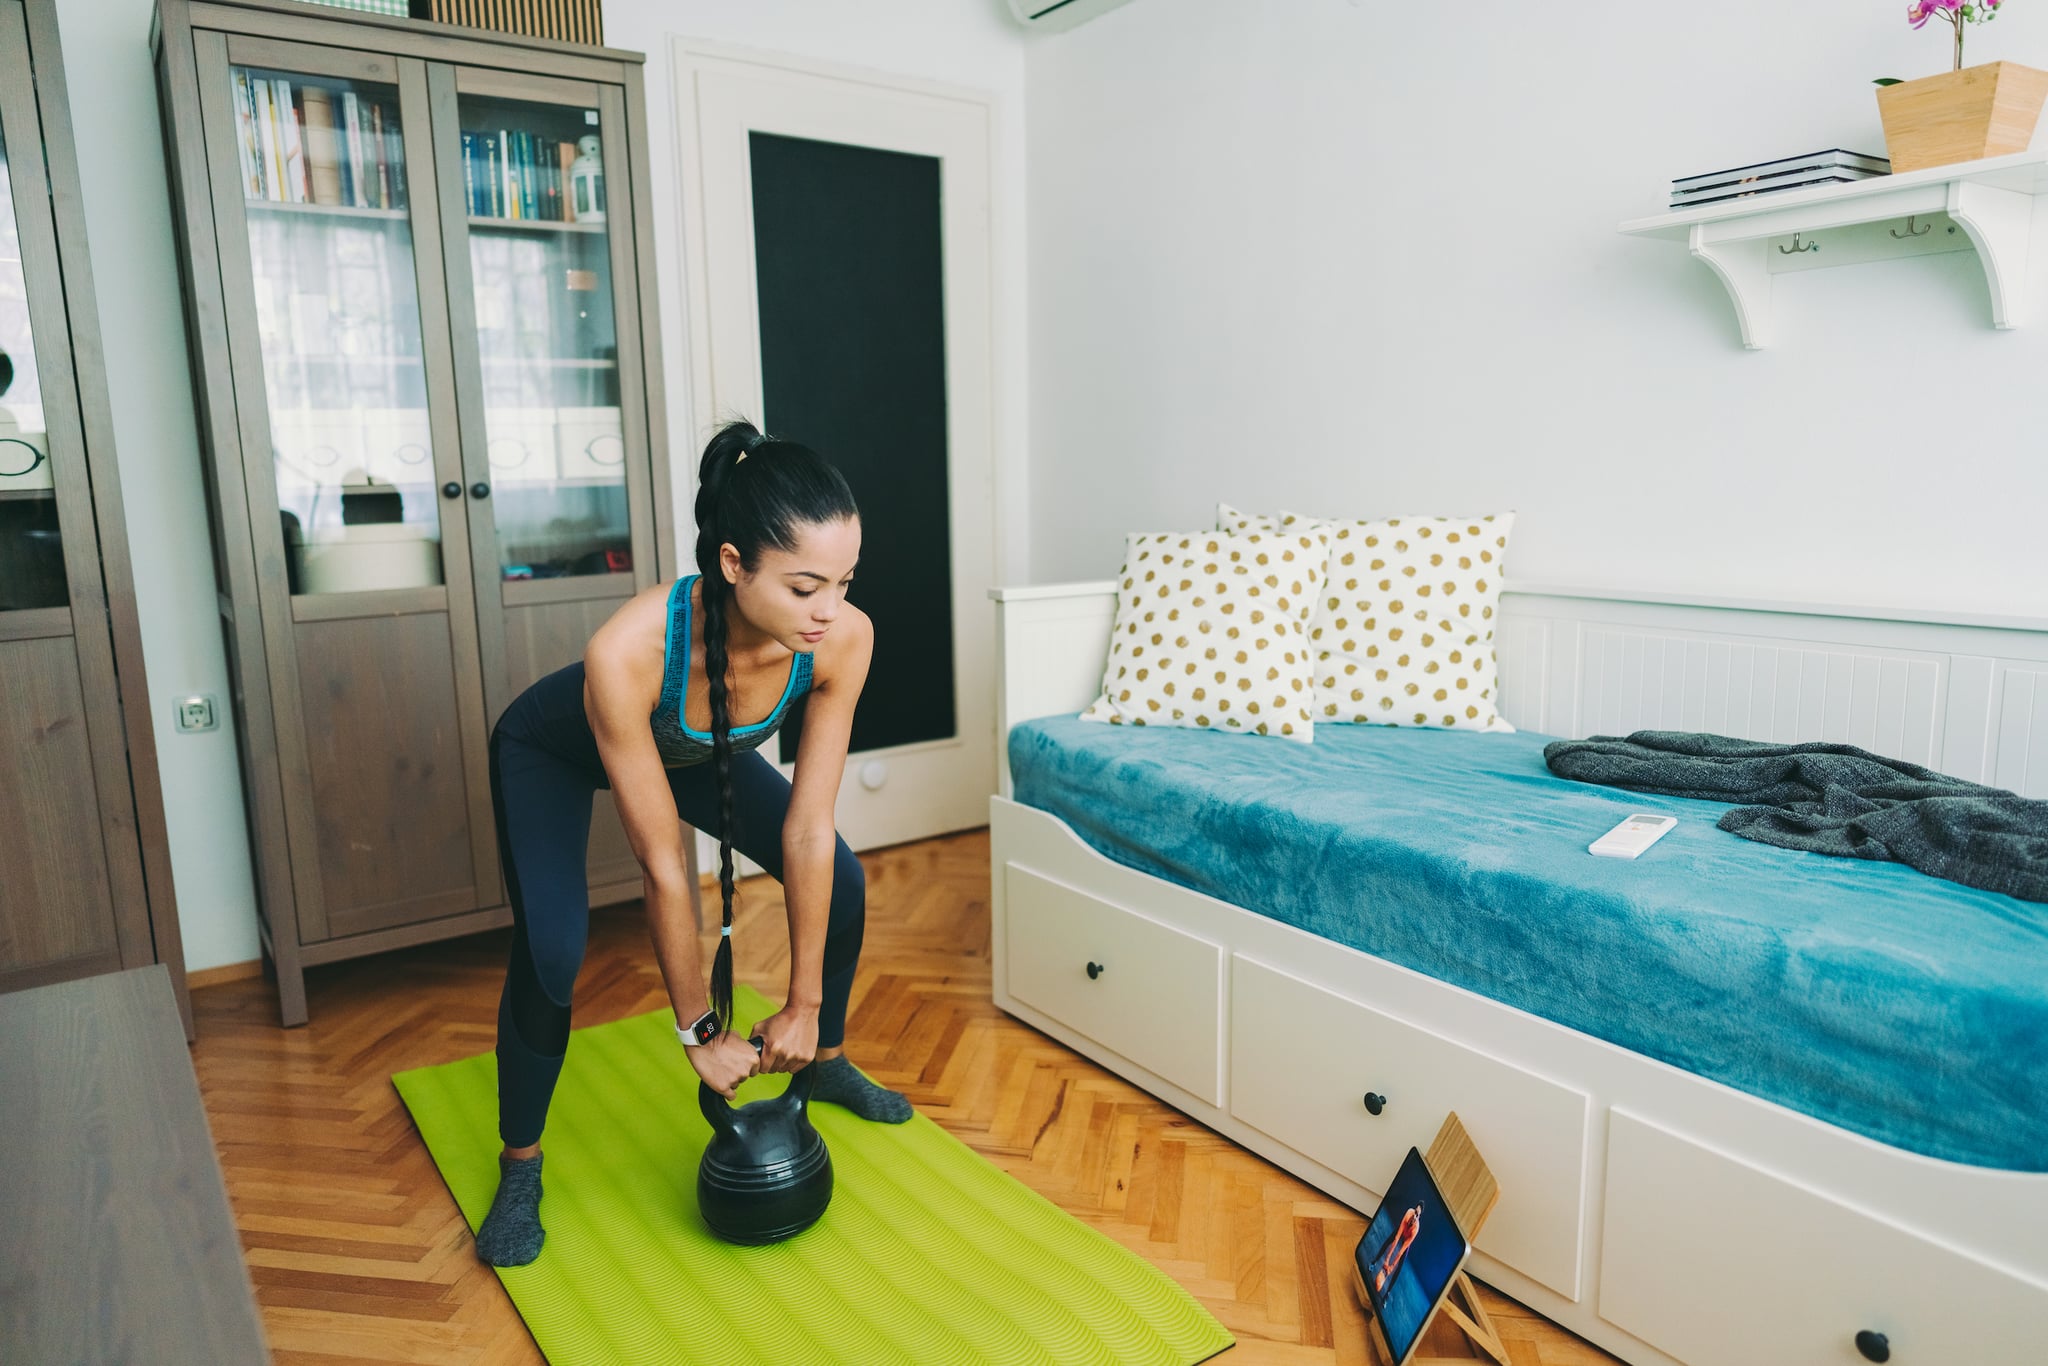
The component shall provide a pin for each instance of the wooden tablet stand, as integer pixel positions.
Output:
(1469, 1189)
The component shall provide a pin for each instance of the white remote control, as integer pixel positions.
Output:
(1632, 836)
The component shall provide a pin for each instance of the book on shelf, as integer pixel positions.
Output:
(323, 173)
(271, 178)
(1806, 181)
(380, 147)
(511, 154)
(531, 173)
(245, 140)
(291, 152)
(468, 141)
(276, 121)
(352, 153)
(395, 139)
(1833, 161)
(517, 161)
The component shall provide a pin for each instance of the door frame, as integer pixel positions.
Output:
(971, 354)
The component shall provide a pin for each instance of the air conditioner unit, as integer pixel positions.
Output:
(1050, 16)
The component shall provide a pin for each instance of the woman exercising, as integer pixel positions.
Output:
(668, 708)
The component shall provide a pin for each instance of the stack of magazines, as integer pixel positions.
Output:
(1832, 167)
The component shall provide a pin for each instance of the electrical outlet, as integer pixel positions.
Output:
(197, 713)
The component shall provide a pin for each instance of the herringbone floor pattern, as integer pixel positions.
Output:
(359, 1255)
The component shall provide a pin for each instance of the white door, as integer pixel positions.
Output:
(836, 234)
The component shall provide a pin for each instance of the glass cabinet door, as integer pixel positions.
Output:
(543, 307)
(327, 196)
(539, 220)
(326, 207)
(31, 544)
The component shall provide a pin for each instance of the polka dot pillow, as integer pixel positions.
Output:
(1236, 523)
(1404, 627)
(1212, 632)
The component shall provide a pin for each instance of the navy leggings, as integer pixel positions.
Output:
(544, 775)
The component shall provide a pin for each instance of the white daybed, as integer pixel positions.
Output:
(1666, 1217)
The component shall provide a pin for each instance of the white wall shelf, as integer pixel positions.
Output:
(1989, 205)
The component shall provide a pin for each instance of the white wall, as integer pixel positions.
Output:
(1304, 252)
(1362, 260)
(971, 43)
(112, 85)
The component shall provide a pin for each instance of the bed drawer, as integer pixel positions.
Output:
(1143, 988)
(1303, 1060)
(1721, 1263)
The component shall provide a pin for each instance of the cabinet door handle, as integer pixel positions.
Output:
(1874, 1346)
(479, 489)
(1374, 1102)
(1095, 970)
(451, 489)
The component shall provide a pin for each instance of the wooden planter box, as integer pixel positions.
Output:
(565, 21)
(1980, 111)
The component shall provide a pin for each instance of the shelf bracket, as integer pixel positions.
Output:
(2000, 224)
(1743, 272)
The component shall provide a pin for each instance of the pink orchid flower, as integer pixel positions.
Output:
(1956, 14)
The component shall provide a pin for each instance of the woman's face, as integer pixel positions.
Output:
(795, 595)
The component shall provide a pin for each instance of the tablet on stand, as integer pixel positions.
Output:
(1410, 1263)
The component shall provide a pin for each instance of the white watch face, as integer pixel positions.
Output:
(703, 1030)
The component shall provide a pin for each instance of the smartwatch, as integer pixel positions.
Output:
(702, 1030)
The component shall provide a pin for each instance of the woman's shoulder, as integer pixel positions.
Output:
(634, 639)
(845, 651)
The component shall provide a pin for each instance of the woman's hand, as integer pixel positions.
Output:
(725, 1062)
(789, 1039)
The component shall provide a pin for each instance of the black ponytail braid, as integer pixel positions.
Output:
(748, 504)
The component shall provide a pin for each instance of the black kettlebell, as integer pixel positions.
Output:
(766, 1174)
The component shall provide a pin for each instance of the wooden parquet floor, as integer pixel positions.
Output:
(359, 1255)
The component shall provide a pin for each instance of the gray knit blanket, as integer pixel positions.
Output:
(1832, 799)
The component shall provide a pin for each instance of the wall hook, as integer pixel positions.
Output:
(1795, 248)
(1912, 231)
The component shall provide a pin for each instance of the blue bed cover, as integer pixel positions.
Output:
(1869, 995)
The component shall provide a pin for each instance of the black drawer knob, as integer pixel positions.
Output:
(1874, 1346)
(1374, 1102)
(1095, 970)
(479, 489)
(451, 489)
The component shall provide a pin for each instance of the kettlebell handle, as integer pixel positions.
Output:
(798, 1093)
(800, 1086)
(718, 1110)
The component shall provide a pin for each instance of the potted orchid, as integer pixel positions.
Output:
(1967, 112)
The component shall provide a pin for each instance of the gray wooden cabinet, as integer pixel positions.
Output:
(85, 878)
(420, 299)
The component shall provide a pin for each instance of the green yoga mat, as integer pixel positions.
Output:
(928, 1254)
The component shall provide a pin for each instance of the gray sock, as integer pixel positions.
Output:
(512, 1235)
(840, 1082)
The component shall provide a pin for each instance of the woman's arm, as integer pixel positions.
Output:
(621, 685)
(810, 837)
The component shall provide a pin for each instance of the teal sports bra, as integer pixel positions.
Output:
(680, 745)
